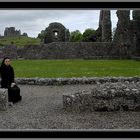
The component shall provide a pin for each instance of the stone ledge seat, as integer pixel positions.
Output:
(3, 99)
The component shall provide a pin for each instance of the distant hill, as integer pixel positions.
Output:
(19, 41)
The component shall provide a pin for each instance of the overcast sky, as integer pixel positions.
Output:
(33, 21)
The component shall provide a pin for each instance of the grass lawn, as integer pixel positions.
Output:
(75, 68)
(19, 41)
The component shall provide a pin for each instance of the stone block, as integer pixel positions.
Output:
(78, 102)
(3, 99)
(68, 101)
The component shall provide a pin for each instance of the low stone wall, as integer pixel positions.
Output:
(105, 97)
(73, 81)
(107, 94)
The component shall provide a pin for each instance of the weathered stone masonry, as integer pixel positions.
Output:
(68, 50)
(73, 81)
(122, 39)
(119, 96)
(11, 32)
(104, 33)
(56, 32)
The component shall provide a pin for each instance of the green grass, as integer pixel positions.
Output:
(19, 41)
(75, 68)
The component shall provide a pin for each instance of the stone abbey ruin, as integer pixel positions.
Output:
(56, 45)
(12, 32)
(56, 32)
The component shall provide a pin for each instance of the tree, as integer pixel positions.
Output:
(41, 35)
(76, 36)
(89, 35)
(25, 34)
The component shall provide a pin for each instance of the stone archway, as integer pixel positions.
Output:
(56, 32)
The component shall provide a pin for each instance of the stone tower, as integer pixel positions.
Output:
(136, 30)
(10, 31)
(106, 26)
(122, 37)
(104, 33)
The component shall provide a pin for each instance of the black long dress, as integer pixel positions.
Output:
(7, 77)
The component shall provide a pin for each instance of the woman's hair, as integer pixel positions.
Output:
(2, 63)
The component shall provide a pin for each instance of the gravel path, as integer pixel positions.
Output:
(42, 108)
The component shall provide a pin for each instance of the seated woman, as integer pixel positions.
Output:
(7, 81)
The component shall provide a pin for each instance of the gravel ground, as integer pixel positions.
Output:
(42, 108)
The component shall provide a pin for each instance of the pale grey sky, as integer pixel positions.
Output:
(33, 21)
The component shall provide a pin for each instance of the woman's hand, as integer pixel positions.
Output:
(12, 84)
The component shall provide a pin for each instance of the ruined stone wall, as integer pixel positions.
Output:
(62, 50)
(106, 27)
(11, 32)
(56, 32)
(136, 30)
(104, 33)
(9, 51)
(119, 96)
(122, 38)
(30, 52)
(69, 50)
(98, 32)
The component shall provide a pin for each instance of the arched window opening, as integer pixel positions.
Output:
(55, 34)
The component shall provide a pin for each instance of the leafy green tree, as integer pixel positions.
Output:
(41, 35)
(76, 36)
(89, 35)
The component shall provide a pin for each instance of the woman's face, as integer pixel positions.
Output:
(7, 62)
